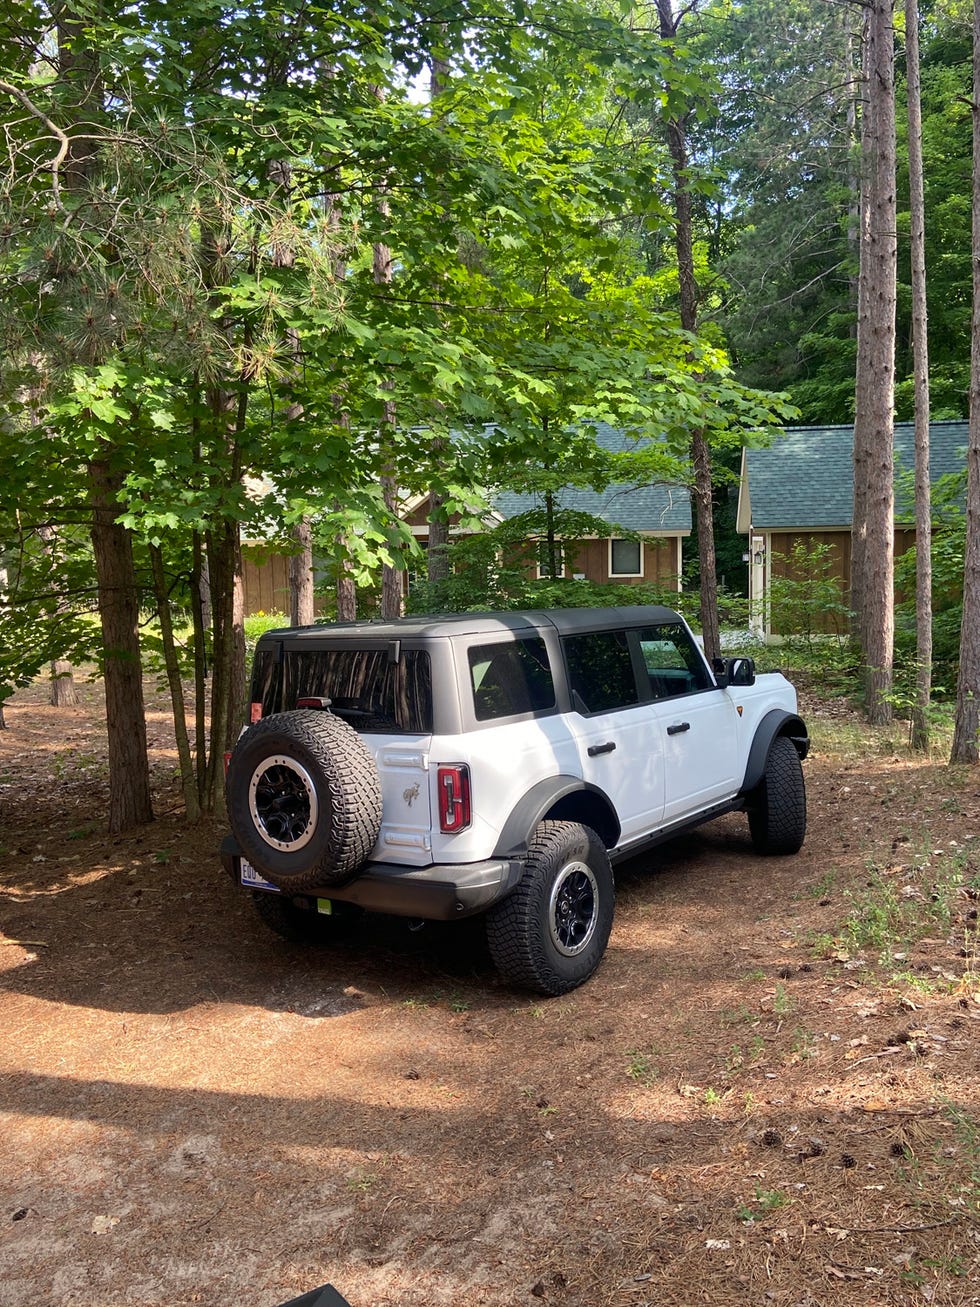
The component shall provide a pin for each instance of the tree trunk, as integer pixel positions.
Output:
(129, 774)
(63, 691)
(702, 497)
(550, 542)
(346, 594)
(301, 576)
(920, 345)
(391, 577)
(228, 666)
(437, 550)
(968, 682)
(873, 530)
(188, 779)
(201, 618)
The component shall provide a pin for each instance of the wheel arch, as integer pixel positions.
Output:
(775, 723)
(558, 798)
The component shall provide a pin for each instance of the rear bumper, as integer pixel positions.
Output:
(435, 893)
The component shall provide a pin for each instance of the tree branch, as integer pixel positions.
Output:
(64, 143)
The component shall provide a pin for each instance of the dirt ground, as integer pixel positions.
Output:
(752, 1102)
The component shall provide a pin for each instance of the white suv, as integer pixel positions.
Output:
(498, 763)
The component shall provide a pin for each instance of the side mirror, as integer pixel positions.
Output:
(733, 671)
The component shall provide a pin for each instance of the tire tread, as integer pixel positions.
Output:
(512, 926)
(344, 765)
(777, 816)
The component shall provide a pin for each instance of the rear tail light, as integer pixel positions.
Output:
(454, 798)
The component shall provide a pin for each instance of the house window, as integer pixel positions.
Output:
(542, 559)
(625, 557)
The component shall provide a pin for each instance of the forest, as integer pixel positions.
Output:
(271, 270)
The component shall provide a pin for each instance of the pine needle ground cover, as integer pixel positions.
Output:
(767, 1094)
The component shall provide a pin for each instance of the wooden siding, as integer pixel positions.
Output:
(265, 576)
(781, 544)
(659, 563)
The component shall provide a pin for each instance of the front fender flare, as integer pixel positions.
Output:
(776, 722)
(537, 802)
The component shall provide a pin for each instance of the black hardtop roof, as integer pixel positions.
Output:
(567, 621)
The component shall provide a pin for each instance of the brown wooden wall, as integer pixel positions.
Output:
(659, 563)
(782, 543)
(265, 574)
(266, 578)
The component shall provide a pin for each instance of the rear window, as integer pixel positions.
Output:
(365, 688)
(511, 679)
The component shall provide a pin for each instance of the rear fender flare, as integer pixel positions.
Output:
(541, 799)
(776, 722)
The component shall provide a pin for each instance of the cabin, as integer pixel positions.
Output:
(799, 490)
(656, 519)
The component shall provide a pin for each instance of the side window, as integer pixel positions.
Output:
(600, 671)
(672, 662)
(511, 678)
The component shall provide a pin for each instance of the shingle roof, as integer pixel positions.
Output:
(637, 508)
(805, 478)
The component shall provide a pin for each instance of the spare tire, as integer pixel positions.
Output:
(304, 799)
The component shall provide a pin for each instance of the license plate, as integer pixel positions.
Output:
(250, 877)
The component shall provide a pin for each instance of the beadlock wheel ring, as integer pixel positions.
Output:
(573, 909)
(283, 804)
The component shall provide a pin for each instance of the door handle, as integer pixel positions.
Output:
(678, 728)
(596, 749)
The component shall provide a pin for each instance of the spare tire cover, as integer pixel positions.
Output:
(304, 799)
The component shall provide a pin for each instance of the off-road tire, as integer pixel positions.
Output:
(777, 808)
(550, 933)
(304, 799)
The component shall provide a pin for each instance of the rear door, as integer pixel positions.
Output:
(620, 747)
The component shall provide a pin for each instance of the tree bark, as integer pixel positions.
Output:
(301, 576)
(201, 618)
(346, 593)
(188, 778)
(129, 774)
(228, 665)
(64, 693)
(920, 350)
(968, 683)
(873, 528)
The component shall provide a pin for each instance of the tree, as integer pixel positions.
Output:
(965, 748)
(920, 321)
(702, 489)
(872, 530)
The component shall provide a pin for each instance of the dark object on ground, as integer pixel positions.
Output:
(325, 1296)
